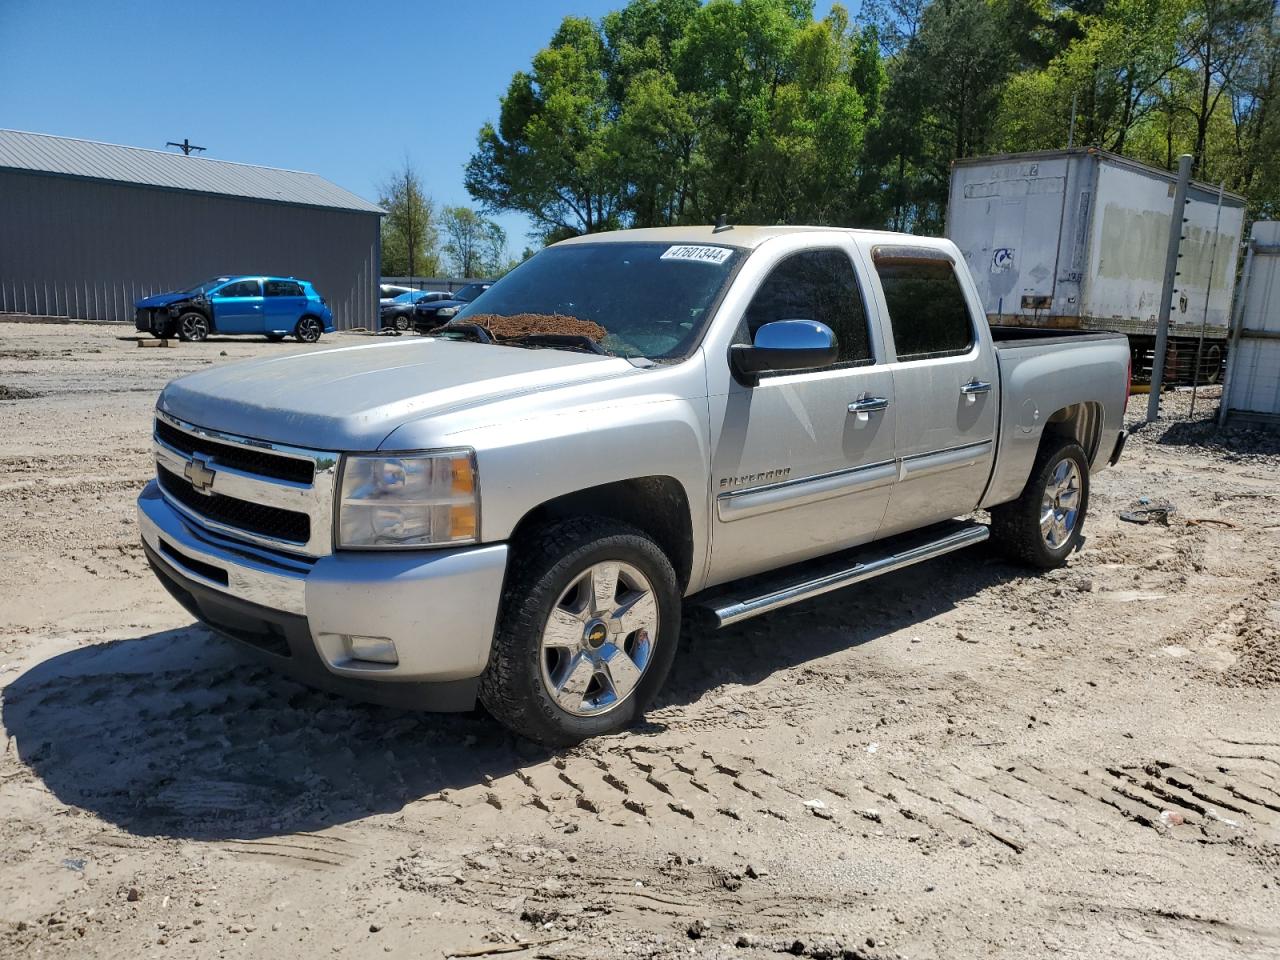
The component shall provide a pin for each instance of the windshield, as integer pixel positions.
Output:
(469, 292)
(635, 299)
(207, 285)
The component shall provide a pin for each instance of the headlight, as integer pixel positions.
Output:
(446, 311)
(418, 500)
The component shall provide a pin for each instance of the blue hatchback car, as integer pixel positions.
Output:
(274, 307)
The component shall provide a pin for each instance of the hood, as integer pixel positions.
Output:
(352, 398)
(163, 299)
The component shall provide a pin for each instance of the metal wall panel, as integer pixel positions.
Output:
(89, 249)
(1253, 378)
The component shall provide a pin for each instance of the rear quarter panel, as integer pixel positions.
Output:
(1037, 380)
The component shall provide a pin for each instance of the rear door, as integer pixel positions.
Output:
(284, 302)
(945, 383)
(237, 307)
(804, 460)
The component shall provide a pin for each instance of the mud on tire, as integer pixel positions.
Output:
(545, 567)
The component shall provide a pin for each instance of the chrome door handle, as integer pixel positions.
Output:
(867, 404)
(975, 386)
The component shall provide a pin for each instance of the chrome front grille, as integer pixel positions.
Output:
(264, 493)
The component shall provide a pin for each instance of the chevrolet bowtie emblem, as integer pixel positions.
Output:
(200, 475)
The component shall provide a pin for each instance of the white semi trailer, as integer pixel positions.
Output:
(1078, 239)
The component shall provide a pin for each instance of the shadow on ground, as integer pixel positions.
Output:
(177, 733)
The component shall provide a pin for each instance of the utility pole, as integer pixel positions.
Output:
(186, 146)
(1176, 222)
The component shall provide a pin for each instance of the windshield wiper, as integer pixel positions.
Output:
(561, 341)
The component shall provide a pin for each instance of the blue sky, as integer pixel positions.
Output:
(343, 89)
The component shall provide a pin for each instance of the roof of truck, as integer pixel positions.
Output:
(745, 237)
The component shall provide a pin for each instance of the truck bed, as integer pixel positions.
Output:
(1009, 336)
(1043, 372)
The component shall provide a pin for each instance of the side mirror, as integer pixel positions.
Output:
(784, 345)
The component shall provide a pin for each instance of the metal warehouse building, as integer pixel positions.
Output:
(88, 228)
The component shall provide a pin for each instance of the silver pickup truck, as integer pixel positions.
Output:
(732, 418)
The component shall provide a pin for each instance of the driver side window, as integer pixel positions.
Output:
(815, 285)
(242, 288)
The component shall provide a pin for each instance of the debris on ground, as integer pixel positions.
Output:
(1146, 511)
(16, 393)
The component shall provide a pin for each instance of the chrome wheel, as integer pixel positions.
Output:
(193, 326)
(598, 641)
(1060, 505)
(309, 330)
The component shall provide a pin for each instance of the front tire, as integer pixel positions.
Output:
(587, 632)
(193, 327)
(308, 330)
(1045, 524)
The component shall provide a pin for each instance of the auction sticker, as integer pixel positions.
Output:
(698, 254)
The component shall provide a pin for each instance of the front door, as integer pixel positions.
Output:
(237, 307)
(944, 383)
(283, 302)
(804, 463)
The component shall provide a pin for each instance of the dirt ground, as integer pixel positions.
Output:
(957, 761)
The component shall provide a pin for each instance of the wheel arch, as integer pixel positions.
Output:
(656, 505)
(1081, 422)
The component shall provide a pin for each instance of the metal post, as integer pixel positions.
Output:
(1071, 133)
(1167, 290)
(1242, 301)
(1208, 292)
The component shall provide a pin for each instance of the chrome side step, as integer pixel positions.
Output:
(728, 610)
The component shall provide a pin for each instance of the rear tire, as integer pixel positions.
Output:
(402, 323)
(1045, 524)
(572, 657)
(308, 330)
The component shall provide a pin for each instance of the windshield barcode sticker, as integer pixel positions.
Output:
(698, 254)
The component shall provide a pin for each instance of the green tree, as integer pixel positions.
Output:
(409, 234)
(474, 246)
(550, 156)
(673, 111)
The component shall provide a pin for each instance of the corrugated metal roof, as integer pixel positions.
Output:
(41, 153)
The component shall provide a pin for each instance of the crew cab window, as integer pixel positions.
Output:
(928, 312)
(283, 288)
(241, 288)
(815, 285)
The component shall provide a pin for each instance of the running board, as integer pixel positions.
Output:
(818, 577)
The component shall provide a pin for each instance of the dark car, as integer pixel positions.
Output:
(267, 306)
(429, 314)
(397, 313)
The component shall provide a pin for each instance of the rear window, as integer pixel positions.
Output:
(283, 288)
(928, 312)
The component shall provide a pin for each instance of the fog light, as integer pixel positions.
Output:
(371, 649)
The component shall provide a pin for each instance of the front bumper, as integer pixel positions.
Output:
(439, 607)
